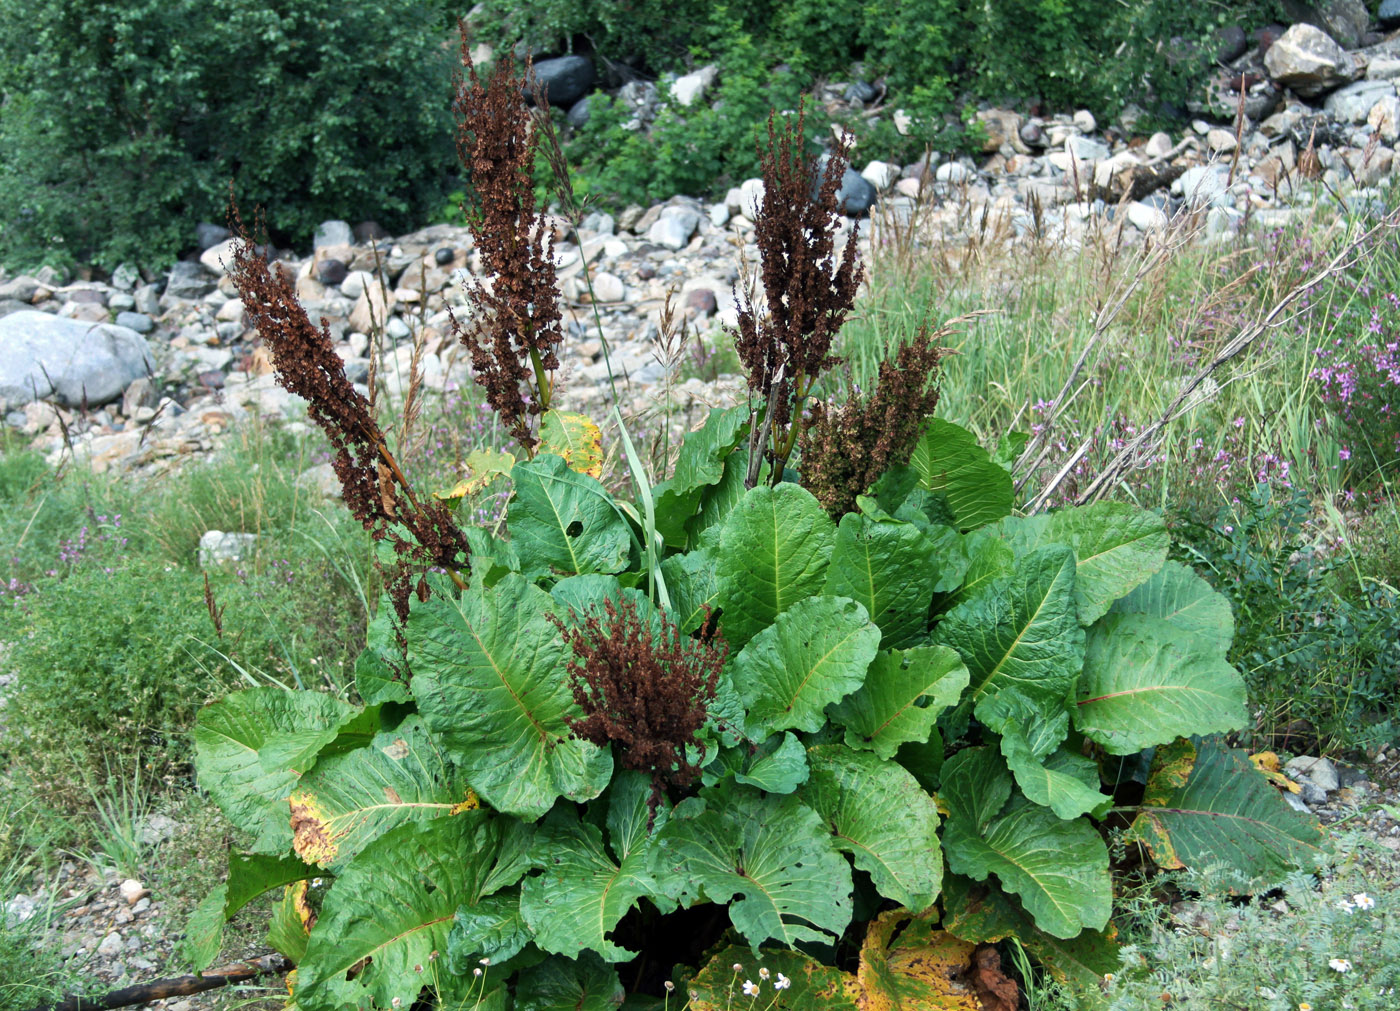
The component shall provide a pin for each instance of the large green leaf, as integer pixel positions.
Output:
(1146, 682)
(890, 569)
(771, 855)
(346, 801)
(815, 987)
(1179, 596)
(584, 891)
(564, 522)
(1210, 805)
(493, 929)
(949, 462)
(391, 910)
(699, 466)
(1019, 632)
(253, 746)
(690, 579)
(1117, 547)
(488, 674)
(1066, 783)
(1059, 868)
(904, 693)
(566, 984)
(815, 653)
(381, 673)
(984, 914)
(778, 765)
(719, 500)
(249, 875)
(773, 551)
(879, 814)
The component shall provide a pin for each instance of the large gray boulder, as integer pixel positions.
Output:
(1354, 103)
(1309, 61)
(42, 355)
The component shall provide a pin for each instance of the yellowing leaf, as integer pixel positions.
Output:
(1267, 763)
(574, 437)
(483, 467)
(916, 968)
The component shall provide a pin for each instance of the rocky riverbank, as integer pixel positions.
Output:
(135, 372)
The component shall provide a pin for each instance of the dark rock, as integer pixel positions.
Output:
(1389, 13)
(189, 280)
(214, 379)
(854, 197)
(702, 300)
(444, 256)
(1261, 101)
(578, 113)
(646, 272)
(368, 231)
(331, 271)
(564, 79)
(1231, 43)
(1267, 36)
(86, 296)
(208, 234)
(1345, 20)
(861, 92)
(1032, 135)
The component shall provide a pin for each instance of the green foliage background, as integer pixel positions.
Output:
(124, 122)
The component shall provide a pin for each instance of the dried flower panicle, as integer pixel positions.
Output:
(808, 291)
(644, 686)
(845, 449)
(516, 326)
(375, 489)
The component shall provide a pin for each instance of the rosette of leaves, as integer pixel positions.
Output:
(928, 709)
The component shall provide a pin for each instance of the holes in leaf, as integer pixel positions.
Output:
(574, 529)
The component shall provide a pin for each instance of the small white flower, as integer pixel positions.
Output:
(737, 967)
(1340, 964)
(485, 961)
(782, 982)
(418, 967)
(1346, 907)
(315, 882)
(476, 971)
(670, 987)
(396, 1002)
(762, 973)
(750, 988)
(1363, 901)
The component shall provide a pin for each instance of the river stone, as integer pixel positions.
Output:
(217, 546)
(333, 233)
(1354, 103)
(189, 281)
(564, 79)
(1309, 61)
(137, 321)
(43, 355)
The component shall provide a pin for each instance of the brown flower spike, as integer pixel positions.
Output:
(845, 449)
(644, 686)
(808, 291)
(516, 326)
(375, 489)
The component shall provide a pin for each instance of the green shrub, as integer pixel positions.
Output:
(124, 122)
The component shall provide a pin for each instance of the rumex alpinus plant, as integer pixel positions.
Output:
(786, 345)
(907, 748)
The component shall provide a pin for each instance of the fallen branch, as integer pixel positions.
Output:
(176, 986)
